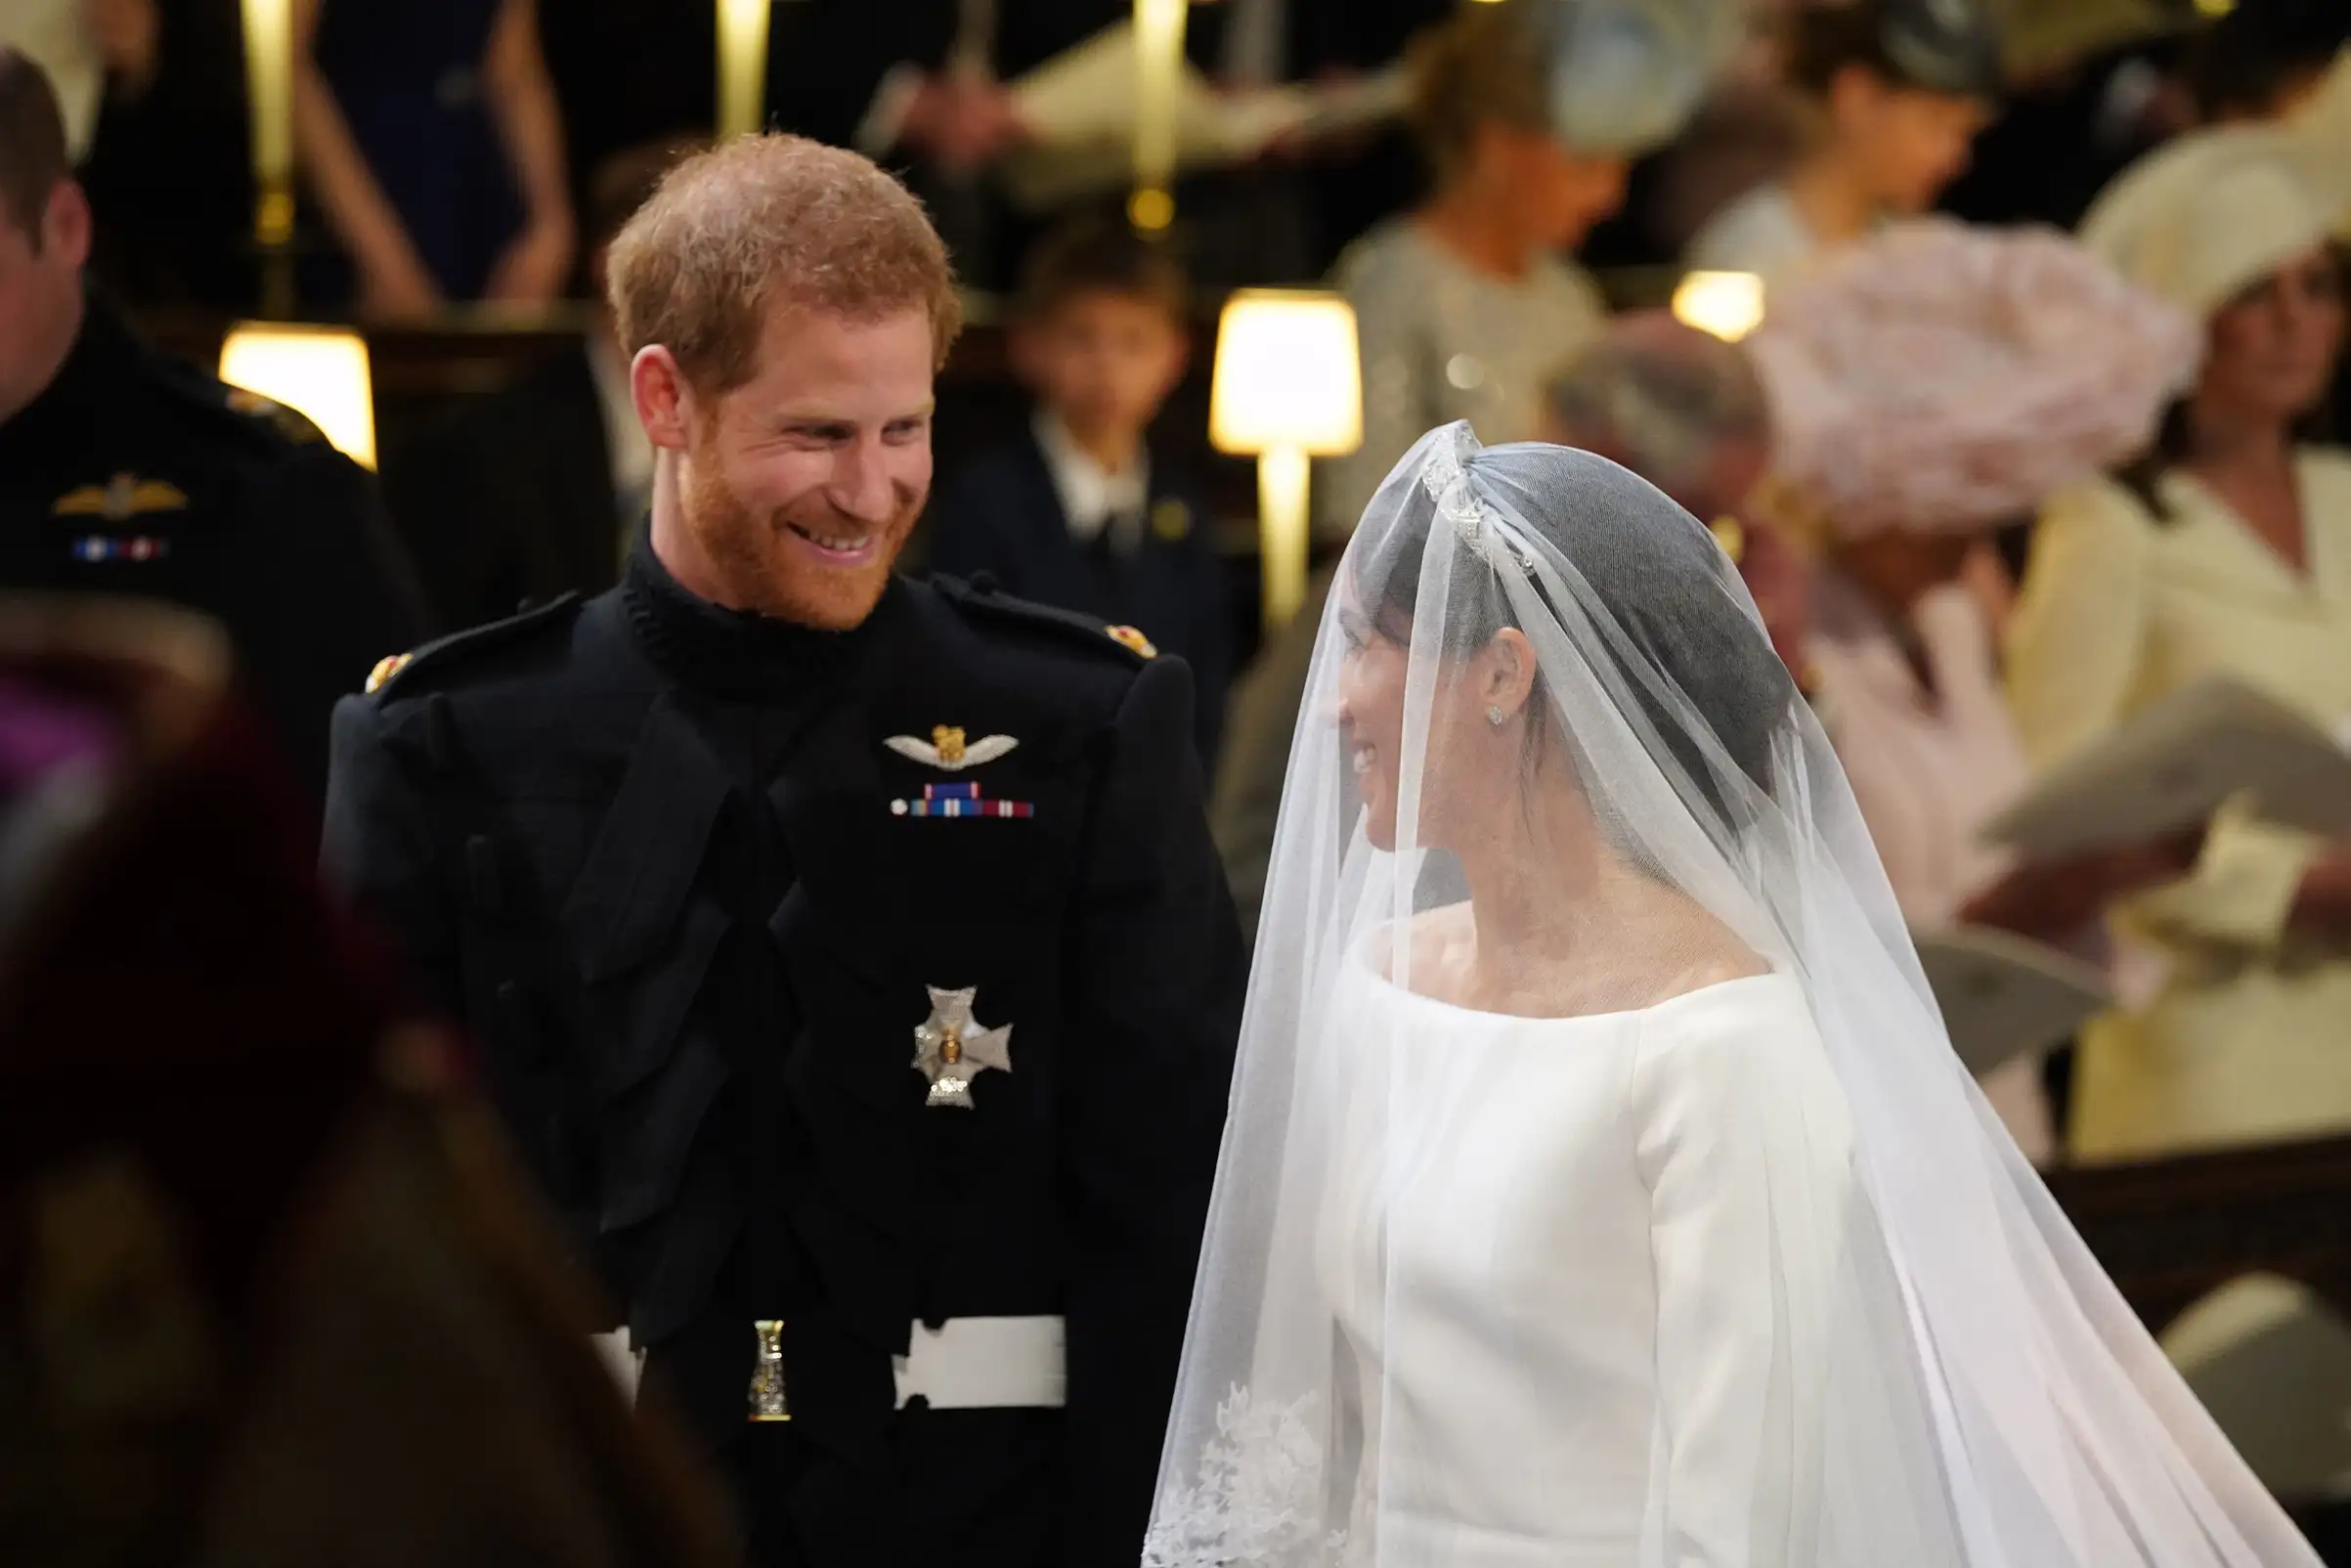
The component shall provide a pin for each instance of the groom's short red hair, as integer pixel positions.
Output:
(768, 220)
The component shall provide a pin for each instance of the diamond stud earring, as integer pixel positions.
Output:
(1494, 715)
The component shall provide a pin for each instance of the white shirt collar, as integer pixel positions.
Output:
(1093, 498)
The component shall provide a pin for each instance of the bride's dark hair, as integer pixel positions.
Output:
(1658, 576)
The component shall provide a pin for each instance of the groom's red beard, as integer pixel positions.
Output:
(764, 564)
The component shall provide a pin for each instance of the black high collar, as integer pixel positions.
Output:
(737, 653)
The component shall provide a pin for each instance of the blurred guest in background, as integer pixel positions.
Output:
(1082, 513)
(124, 472)
(432, 137)
(1747, 134)
(1463, 306)
(270, 1280)
(2227, 550)
(1685, 411)
(927, 93)
(538, 489)
(1929, 383)
(1896, 89)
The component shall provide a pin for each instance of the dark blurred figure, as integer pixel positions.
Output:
(536, 490)
(272, 1291)
(125, 472)
(1082, 513)
(2076, 122)
(627, 73)
(1350, 186)
(927, 93)
(2263, 57)
(158, 131)
(429, 132)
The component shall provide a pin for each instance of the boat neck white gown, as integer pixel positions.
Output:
(1574, 1265)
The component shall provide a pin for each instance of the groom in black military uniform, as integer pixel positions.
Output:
(847, 954)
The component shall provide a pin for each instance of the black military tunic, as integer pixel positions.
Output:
(668, 861)
(135, 474)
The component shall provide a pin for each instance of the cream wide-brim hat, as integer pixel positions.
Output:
(2213, 212)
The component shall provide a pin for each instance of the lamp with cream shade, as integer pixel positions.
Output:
(1287, 388)
(318, 372)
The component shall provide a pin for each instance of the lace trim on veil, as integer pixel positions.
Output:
(1257, 1499)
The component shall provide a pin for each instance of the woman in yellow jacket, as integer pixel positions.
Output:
(2227, 550)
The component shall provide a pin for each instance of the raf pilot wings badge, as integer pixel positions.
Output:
(948, 750)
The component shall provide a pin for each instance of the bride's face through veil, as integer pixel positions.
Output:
(1445, 703)
(1479, 723)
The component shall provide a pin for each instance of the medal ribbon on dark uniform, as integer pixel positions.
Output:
(959, 801)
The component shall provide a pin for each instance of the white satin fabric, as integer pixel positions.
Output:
(1594, 1228)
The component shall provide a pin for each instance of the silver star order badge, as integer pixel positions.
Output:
(951, 1049)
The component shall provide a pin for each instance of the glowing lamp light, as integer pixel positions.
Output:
(321, 371)
(742, 66)
(1158, 83)
(1287, 387)
(1726, 304)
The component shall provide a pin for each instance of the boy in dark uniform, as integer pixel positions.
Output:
(849, 953)
(125, 472)
(1080, 512)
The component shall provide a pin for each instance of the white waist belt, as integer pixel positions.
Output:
(984, 1364)
(966, 1364)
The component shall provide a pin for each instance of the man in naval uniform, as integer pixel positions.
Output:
(848, 955)
(127, 474)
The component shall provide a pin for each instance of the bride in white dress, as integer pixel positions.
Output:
(1601, 1186)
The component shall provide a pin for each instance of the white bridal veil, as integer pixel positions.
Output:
(1898, 1354)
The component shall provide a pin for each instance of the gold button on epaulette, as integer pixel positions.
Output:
(385, 670)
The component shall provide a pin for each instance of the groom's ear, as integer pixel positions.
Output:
(1511, 671)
